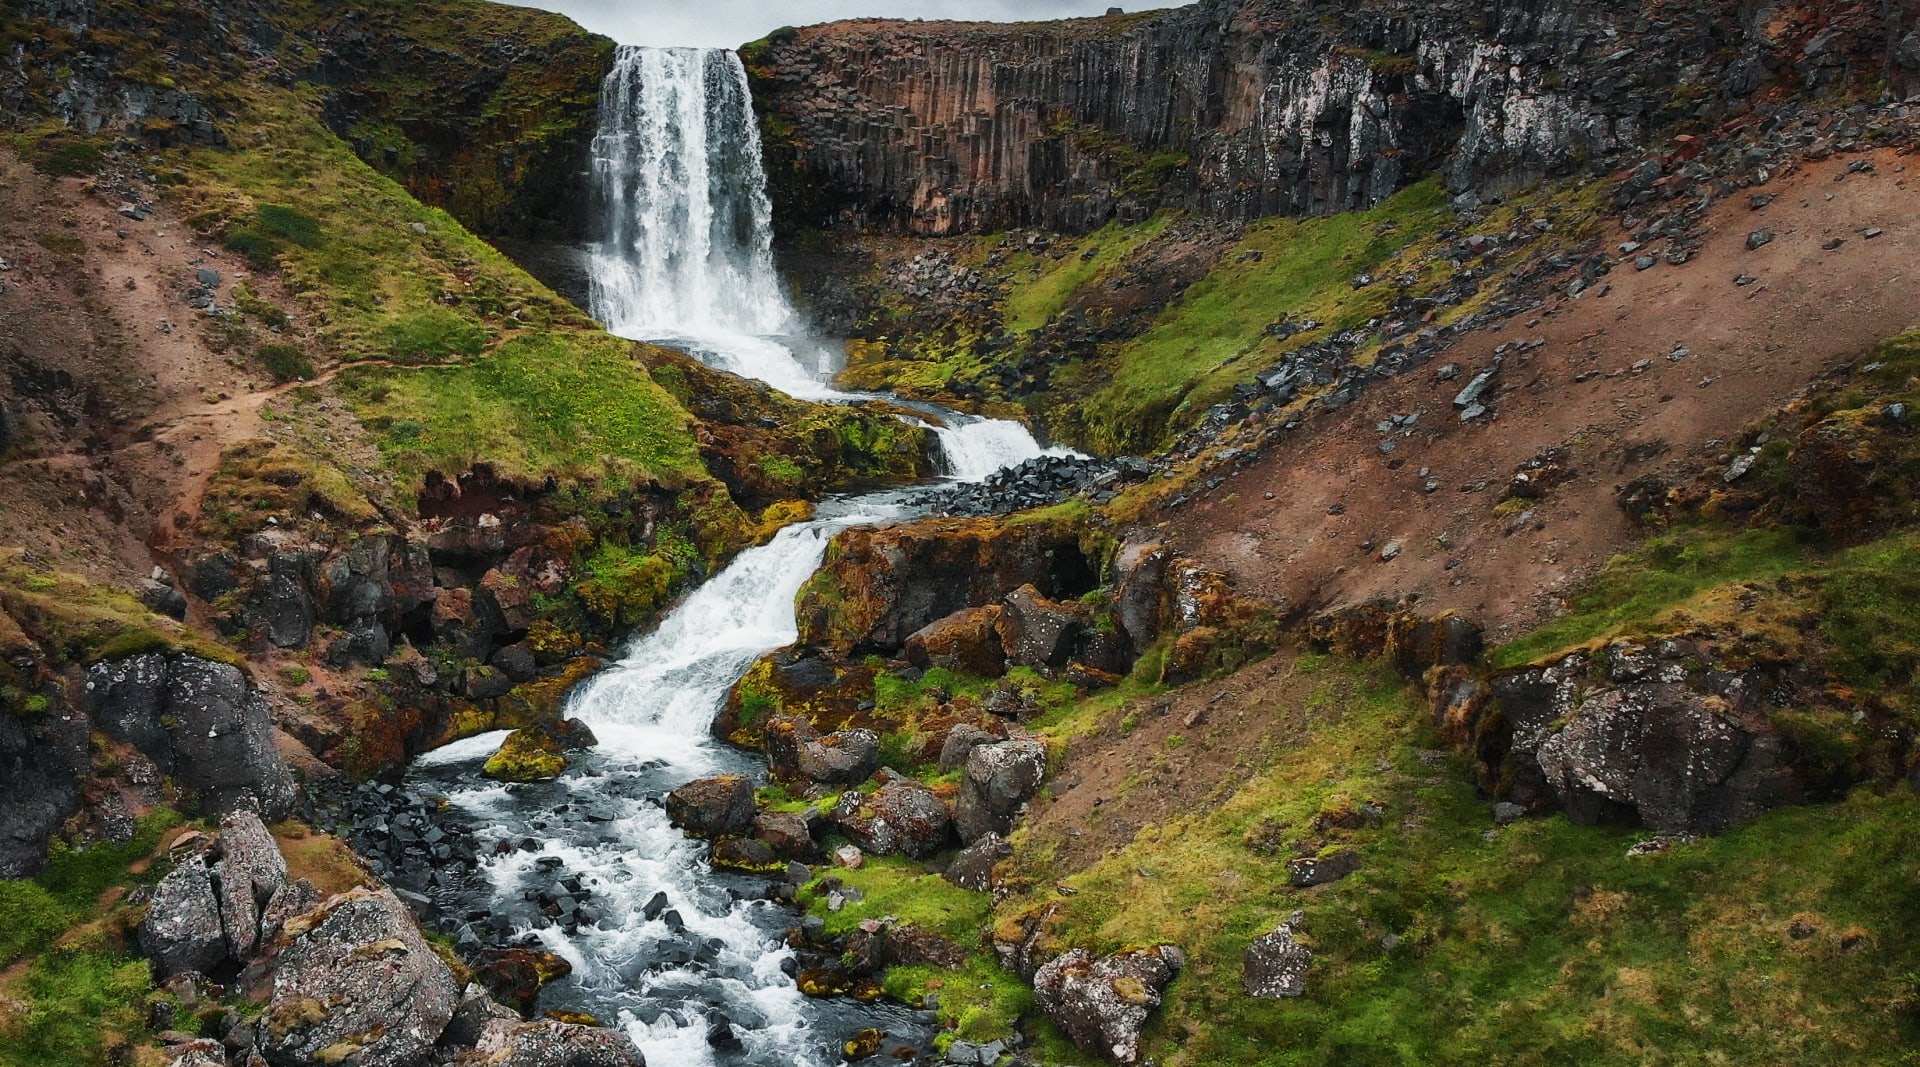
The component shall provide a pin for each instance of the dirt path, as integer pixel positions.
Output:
(128, 394)
(1652, 371)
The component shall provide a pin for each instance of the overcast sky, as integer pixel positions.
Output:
(729, 23)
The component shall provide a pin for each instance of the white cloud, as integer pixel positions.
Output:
(729, 23)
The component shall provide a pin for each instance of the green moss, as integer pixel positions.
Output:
(64, 243)
(1666, 570)
(907, 891)
(67, 890)
(978, 1002)
(1043, 287)
(83, 1006)
(527, 755)
(568, 404)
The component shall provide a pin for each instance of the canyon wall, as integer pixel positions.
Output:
(1246, 108)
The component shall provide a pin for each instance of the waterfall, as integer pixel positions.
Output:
(685, 234)
(683, 257)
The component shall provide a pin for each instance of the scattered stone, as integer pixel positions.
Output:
(1276, 964)
(1308, 871)
(968, 1054)
(1507, 812)
(1759, 239)
(849, 856)
(1391, 551)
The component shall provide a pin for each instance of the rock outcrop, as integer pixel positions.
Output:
(712, 807)
(1244, 108)
(881, 585)
(201, 722)
(1656, 734)
(356, 977)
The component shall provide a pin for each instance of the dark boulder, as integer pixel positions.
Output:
(712, 807)
(1141, 598)
(787, 834)
(204, 723)
(973, 867)
(1037, 632)
(959, 744)
(43, 760)
(796, 751)
(1308, 871)
(967, 642)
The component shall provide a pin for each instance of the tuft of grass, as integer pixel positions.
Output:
(1044, 288)
(64, 243)
(83, 1006)
(287, 363)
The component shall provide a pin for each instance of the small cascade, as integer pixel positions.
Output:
(673, 950)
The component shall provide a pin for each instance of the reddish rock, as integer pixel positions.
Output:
(786, 834)
(966, 641)
(902, 818)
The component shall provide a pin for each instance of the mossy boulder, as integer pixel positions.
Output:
(529, 754)
(880, 585)
(720, 806)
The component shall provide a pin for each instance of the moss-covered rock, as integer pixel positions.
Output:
(527, 755)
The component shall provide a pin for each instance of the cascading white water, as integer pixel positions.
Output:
(686, 234)
(684, 258)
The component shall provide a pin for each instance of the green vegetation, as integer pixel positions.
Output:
(1215, 336)
(82, 1006)
(1542, 943)
(572, 404)
(1669, 568)
(1042, 287)
(86, 623)
(286, 362)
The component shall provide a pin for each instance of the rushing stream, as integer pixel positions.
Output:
(684, 259)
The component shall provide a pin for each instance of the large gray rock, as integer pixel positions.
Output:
(959, 744)
(1276, 964)
(846, 757)
(356, 978)
(712, 807)
(902, 818)
(547, 1043)
(1140, 592)
(1103, 1004)
(1000, 777)
(251, 872)
(202, 722)
(182, 930)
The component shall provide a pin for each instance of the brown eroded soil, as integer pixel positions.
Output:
(1748, 349)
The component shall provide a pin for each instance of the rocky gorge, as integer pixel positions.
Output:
(1500, 647)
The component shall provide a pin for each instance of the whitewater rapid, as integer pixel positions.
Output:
(684, 258)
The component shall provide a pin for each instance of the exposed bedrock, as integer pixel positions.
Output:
(1245, 108)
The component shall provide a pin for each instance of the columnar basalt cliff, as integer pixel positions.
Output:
(1246, 108)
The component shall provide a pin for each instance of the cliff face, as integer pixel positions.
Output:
(1246, 108)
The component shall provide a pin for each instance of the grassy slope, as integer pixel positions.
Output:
(1541, 943)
